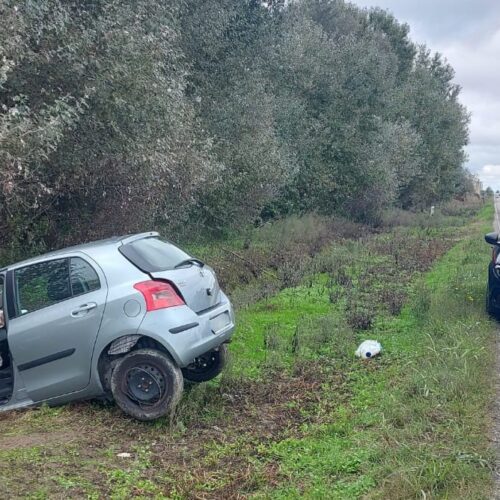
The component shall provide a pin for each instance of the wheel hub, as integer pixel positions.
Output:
(145, 384)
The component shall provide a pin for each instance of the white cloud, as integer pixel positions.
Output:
(490, 176)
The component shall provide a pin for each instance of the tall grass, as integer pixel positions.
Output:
(295, 415)
(433, 430)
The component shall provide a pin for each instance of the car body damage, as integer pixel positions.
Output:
(124, 318)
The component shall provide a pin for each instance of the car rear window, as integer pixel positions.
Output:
(152, 254)
(83, 277)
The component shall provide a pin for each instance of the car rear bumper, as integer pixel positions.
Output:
(186, 334)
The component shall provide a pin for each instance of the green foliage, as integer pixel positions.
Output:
(96, 132)
(115, 116)
(296, 415)
(353, 114)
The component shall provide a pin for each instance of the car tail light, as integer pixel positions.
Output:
(158, 295)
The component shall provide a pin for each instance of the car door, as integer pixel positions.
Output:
(2, 313)
(59, 304)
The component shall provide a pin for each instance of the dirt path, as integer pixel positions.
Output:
(496, 419)
(37, 439)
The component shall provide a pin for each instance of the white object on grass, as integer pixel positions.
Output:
(368, 349)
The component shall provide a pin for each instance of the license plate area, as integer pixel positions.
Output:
(219, 322)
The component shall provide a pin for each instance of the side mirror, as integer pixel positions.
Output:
(492, 238)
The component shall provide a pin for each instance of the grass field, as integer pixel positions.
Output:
(296, 415)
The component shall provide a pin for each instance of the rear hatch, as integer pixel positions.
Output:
(195, 281)
(198, 285)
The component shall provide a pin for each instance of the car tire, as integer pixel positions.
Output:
(489, 309)
(207, 366)
(146, 384)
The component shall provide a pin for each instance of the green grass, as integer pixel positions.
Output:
(416, 424)
(414, 421)
(269, 326)
(296, 415)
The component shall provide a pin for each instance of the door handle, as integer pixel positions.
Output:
(83, 309)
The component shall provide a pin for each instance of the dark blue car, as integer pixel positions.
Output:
(493, 291)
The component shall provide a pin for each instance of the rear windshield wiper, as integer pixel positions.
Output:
(190, 261)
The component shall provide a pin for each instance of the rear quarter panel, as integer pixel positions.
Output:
(192, 342)
(121, 276)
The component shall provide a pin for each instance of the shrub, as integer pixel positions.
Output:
(468, 207)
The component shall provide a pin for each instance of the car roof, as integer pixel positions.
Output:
(90, 248)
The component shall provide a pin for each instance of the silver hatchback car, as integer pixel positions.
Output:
(126, 318)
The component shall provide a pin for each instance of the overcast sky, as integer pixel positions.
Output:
(467, 33)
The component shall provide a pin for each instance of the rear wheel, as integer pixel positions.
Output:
(491, 307)
(146, 384)
(207, 366)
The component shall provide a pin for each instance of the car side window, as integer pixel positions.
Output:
(41, 285)
(83, 277)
